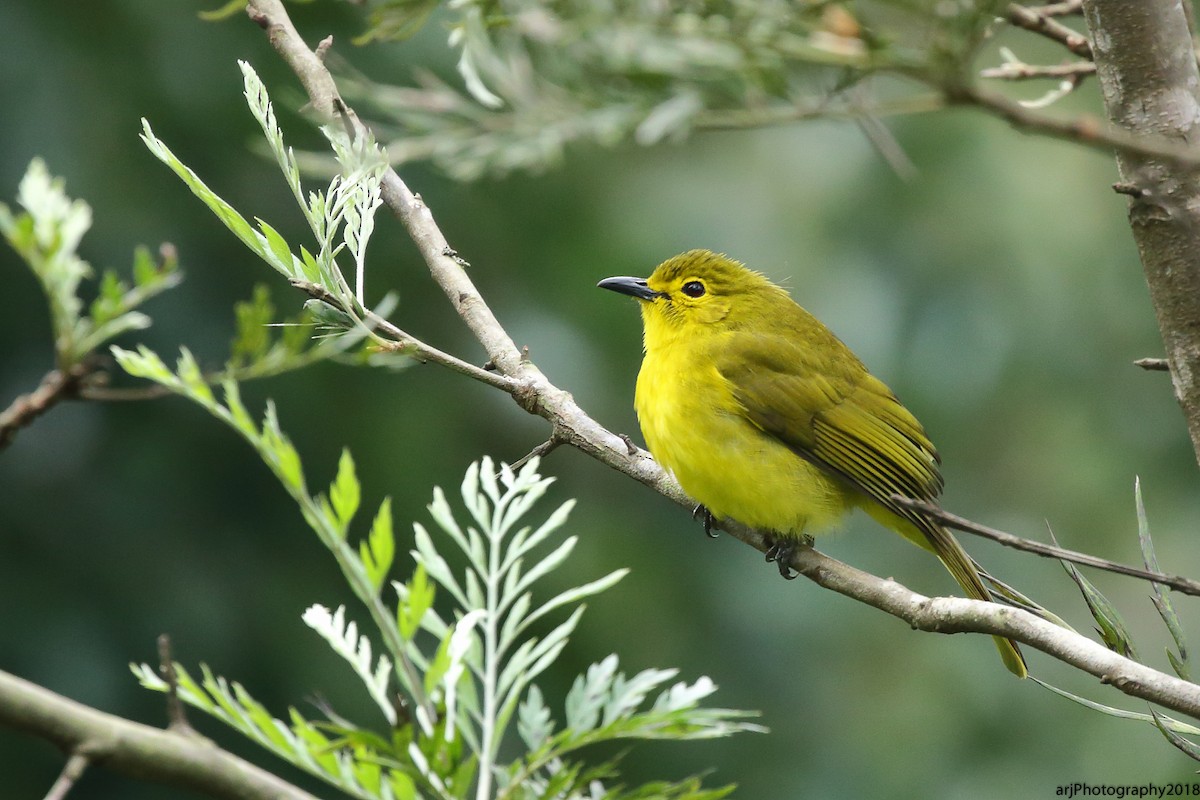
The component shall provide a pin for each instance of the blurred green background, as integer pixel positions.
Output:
(998, 292)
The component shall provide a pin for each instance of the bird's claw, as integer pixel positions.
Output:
(702, 513)
(780, 551)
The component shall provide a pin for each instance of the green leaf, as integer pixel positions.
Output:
(415, 604)
(427, 555)
(534, 723)
(586, 700)
(282, 455)
(193, 379)
(109, 301)
(1173, 724)
(1111, 627)
(278, 253)
(345, 493)
(1160, 598)
(145, 363)
(379, 550)
(252, 340)
(308, 264)
(238, 414)
(626, 695)
(1188, 748)
(223, 211)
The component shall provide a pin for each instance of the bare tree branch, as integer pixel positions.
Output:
(1083, 129)
(1151, 85)
(72, 771)
(1177, 582)
(136, 750)
(55, 387)
(1025, 72)
(959, 615)
(1153, 364)
(1036, 20)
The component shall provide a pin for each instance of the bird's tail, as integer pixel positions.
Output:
(935, 538)
(963, 568)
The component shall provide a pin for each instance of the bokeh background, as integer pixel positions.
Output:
(998, 292)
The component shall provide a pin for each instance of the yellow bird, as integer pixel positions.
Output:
(767, 418)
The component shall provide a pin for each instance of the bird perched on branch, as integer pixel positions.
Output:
(767, 418)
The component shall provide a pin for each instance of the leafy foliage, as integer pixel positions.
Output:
(538, 76)
(1114, 633)
(341, 218)
(47, 235)
(452, 678)
(1160, 598)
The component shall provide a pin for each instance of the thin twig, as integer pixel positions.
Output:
(543, 449)
(1181, 584)
(888, 148)
(1023, 72)
(55, 387)
(1153, 364)
(176, 715)
(404, 342)
(72, 771)
(109, 394)
(740, 118)
(1044, 24)
(1064, 9)
(1084, 129)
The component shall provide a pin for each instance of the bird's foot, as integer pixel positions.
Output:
(702, 513)
(780, 551)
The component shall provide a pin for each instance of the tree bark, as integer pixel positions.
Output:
(1148, 75)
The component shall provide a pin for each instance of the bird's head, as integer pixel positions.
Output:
(697, 289)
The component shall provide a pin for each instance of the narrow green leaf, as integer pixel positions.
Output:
(402, 786)
(223, 211)
(109, 299)
(415, 604)
(572, 595)
(1188, 748)
(1160, 597)
(551, 562)
(379, 550)
(237, 410)
(438, 667)
(345, 493)
(1174, 724)
(193, 379)
(283, 458)
(308, 265)
(427, 555)
(277, 252)
(1112, 629)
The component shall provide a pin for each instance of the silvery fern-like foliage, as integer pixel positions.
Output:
(341, 218)
(463, 638)
(537, 76)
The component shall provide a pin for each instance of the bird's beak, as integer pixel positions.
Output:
(634, 287)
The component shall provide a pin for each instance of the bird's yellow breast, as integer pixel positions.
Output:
(694, 426)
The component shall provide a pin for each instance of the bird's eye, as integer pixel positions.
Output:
(693, 288)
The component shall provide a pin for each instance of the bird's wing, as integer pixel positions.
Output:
(834, 414)
(839, 417)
